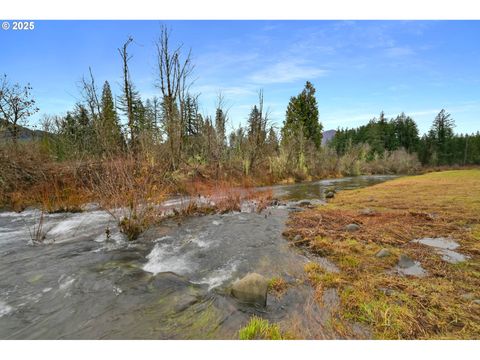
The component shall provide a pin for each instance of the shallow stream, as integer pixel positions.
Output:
(171, 283)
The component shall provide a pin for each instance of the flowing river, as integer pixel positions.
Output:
(171, 283)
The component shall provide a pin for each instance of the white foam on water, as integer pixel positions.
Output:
(198, 240)
(65, 282)
(216, 223)
(77, 222)
(47, 290)
(163, 259)
(117, 291)
(163, 238)
(15, 235)
(5, 308)
(117, 241)
(35, 298)
(220, 276)
(25, 213)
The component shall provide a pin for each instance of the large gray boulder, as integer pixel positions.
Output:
(251, 289)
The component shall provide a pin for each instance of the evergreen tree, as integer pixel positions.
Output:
(109, 131)
(406, 131)
(441, 135)
(302, 114)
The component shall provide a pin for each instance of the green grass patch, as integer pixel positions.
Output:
(260, 329)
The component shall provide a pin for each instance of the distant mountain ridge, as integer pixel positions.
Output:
(327, 136)
(24, 133)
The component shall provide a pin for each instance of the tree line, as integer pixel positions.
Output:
(169, 130)
(440, 146)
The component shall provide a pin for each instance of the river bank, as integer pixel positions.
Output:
(408, 252)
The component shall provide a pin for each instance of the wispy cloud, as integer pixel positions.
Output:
(399, 51)
(286, 71)
(234, 91)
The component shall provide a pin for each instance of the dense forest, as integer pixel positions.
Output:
(440, 146)
(168, 134)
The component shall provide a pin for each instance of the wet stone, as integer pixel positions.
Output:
(452, 257)
(440, 242)
(185, 302)
(352, 227)
(330, 195)
(251, 289)
(405, 261)
(383, 253)
(367, 212)
(387, 291)
(407, 266)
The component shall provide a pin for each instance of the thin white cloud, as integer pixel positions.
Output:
(286, 71)
(234, 91)
(399, 51)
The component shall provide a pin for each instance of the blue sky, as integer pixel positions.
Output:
(359, 68)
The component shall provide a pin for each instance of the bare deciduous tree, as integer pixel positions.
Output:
(257, 132)
(128, 92)
(90, 94)
(16, 105)
(173, 82)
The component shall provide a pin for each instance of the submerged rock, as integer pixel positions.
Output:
(352, 227)
(304, 203)
(405, 261)
(251, 289)
(439, 242)
(445, 247)
(451, 256)
(407, 266)
(330, 195)
(383, 253)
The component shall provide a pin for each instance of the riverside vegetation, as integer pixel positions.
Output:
(169, 145)
(129, 154)
(443, 304)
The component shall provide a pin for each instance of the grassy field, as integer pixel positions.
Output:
(443, 305)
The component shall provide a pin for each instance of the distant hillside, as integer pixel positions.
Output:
(24, 133)
(327, 136)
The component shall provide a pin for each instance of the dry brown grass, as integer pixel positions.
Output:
(277, 286)
(441, 305)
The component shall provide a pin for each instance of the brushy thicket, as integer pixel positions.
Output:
(31, 176)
